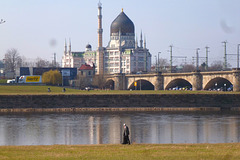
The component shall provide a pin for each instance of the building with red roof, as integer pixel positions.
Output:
(87, 70)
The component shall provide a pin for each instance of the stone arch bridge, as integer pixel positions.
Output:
(165, 81)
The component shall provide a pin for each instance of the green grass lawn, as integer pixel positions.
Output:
(229, 151)
(7, 90)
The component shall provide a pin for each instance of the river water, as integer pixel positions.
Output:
(107, 127)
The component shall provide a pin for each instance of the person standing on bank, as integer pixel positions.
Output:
(126, 135)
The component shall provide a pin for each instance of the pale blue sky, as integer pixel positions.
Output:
(186, 24)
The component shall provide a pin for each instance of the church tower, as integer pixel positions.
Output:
(65, 48)
(100, 50)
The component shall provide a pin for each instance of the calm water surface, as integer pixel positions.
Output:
(107, 127)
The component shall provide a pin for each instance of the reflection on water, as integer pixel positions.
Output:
(107, 127)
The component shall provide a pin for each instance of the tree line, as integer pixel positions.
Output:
(163, 65)
(13, 60)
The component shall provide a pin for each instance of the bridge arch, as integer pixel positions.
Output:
(218, 83)
(142, 85)
(178, 83)
(110, 84)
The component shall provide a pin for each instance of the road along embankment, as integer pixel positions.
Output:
(118, 102)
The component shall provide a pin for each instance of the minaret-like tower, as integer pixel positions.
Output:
(141, 41)
(100, 30)
(65, 48)
(145, 43)
(70, 47)
(100, 50)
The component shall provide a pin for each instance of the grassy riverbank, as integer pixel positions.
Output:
(20, 90)
(230, 151)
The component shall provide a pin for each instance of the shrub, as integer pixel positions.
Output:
(52, 77)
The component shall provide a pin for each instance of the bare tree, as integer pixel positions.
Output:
(26, 63)
(82, 81)
(12, 60)
(163, 65)
(188, 67)
(42, 63)
(99, 81)
(163, 62)
(216, 66)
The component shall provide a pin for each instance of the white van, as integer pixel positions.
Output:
(11, 81)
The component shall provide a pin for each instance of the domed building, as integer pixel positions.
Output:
(88, 47)
(122, 29)
(121, 55)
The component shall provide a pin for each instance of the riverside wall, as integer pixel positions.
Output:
(11, 103)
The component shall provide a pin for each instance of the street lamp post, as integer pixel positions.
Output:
(158, 60)
(197, 58)
(238, 55)
(156, 64)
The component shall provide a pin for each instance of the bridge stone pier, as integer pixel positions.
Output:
(164, 81)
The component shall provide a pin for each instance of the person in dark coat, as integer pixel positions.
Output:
(126, 135)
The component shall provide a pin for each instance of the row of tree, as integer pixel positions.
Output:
(54, 77)
(13, 60)
(186, 67)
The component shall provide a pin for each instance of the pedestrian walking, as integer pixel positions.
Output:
(126, 139)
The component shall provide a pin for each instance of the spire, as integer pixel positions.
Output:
(99, 4)
(136, 43)
(141, 41)
(70, 48)
(122, 9)
(145, 43)
(65, 47)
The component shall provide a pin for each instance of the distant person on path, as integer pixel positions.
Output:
(49, 90)
(126, 135)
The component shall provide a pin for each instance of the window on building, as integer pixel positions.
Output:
(111, 64)
(140, 58)
(89, 73)
(140, 64)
